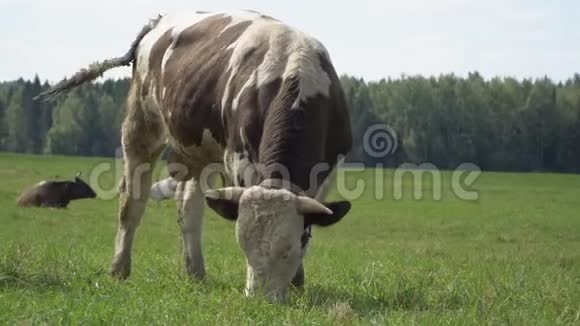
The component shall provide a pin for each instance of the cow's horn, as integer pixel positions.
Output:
(307, 205)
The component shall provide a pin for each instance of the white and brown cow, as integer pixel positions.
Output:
(248, 91)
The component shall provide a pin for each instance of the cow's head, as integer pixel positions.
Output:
(269, 226)
(79, 189)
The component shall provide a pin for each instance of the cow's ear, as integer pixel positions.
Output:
(225, 201)
(339, 210)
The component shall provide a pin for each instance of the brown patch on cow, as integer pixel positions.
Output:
(275, 134)
(268, 17)
(177, 167)
(252, 109)
(316, 132)
(254, 102)
(326, 65)
(283, 127)
(248, 109)
(193, 77)
(339, 118)
(267, 93)
(249, 64)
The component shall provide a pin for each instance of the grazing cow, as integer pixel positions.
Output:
(55, 193)
(246, 91)
(163, 189)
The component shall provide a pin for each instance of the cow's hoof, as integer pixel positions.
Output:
(196, 275)
(195, 272)
(299, 284)
(194, 267)
(120, 271)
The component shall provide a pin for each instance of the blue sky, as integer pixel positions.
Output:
(372, 39)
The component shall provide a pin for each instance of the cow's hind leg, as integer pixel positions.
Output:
(142, 134)
(190, 205)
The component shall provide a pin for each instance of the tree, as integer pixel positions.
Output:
(499, 124)
(18, 134)
(3, 125)
(66, 135)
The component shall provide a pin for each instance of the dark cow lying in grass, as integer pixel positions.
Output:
(55, 193)
(249, 93)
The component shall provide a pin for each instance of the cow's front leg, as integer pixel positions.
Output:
(190, 204)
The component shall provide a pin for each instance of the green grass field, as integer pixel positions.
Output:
(511, 257)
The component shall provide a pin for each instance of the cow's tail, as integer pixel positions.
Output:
(97, 69)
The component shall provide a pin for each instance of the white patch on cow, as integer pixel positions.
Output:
(304, 63)
(268, 230)
(191, 203)
(251, 82)
(153, 93)
(177, 22)
(259, 32)
(167, 55)
(240, 168)
(272, 66)
(302, 53)
(243, 137)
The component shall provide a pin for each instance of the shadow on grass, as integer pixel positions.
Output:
(403, 297)
(31, 281)
(44, 280)
(369, 298)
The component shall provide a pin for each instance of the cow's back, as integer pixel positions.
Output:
(183, 65)
(217, 76)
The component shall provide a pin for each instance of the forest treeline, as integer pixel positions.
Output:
(501, 124)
